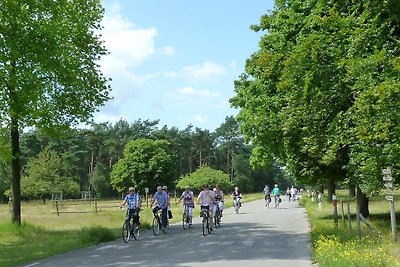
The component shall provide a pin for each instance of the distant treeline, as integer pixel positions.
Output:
(82, 159)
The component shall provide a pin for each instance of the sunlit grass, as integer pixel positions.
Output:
(342, 246)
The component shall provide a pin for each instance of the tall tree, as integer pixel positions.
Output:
(146, 163)
(306, 95)
(228, 143)
(49, 52)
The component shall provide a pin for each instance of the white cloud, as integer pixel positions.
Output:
(168, 50)
(189, 91)
(129, 46)
(125, 41)
(204, 72)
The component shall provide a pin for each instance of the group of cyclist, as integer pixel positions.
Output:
(212, 200)
(276, 193)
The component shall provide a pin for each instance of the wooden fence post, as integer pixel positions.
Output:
(343, 212)
(58, 212)
(358, 220)
(348, 214)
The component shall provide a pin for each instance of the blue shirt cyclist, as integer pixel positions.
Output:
(133, 201)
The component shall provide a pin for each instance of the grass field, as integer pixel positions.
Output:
(342, 246)
(43, 233)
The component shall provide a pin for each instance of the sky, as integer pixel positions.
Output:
(176, 61)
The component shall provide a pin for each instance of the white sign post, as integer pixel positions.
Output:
(388, 179)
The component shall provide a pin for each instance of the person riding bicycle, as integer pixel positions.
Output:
(188, 202)
(276, 192)
(207, 199)
(267, 195)
(165, 188)
(219, 198)
(162, 204)
(133, 201)
(236, 195)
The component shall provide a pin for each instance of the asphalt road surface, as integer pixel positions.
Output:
(257, 236)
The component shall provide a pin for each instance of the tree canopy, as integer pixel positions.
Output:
(202, 176)
(321, 94)
(49, 70)
(145, 163)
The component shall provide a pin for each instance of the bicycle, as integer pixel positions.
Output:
(277, 201)
(237, 204)
(217, 215)
(129, 230)
(205, 215)
(267, 201)
(157, 223)
(185, 218)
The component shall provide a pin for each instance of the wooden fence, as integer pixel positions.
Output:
(359, 218)
(87, 205)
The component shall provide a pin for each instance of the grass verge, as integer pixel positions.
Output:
(342, 246)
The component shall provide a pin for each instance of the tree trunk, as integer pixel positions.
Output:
(352, 190)
(363, 201)
(15, 172)
(331, 188)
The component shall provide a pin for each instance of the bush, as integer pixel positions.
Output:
(96, 234)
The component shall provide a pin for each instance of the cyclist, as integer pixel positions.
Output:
(267, 194)
(236, 195)
(276, 192)
(165, 188)
(219, 198)
(207, 199)
(188, 201)
(133, 201)
(162, 204)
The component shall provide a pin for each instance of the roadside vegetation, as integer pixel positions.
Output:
(43, 233)
(342, 246)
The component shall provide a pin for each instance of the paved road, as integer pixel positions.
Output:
(257, 236)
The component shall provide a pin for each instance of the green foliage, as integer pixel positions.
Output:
(49, 71)
(342, 247)
(205, 175)
(101, 181)
(145, 163)
(96, 234)
(321, 95)
(43, 177)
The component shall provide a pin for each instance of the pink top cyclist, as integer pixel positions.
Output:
(188, 202)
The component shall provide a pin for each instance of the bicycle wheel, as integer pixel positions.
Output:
(216, 220)
(237, 208)
(126, 232)
(156, 226)
(208, 226)
(166, 227)
(205, 224)
(136, 231)
(184, 221)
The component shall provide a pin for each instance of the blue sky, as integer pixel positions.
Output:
(176, 60)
